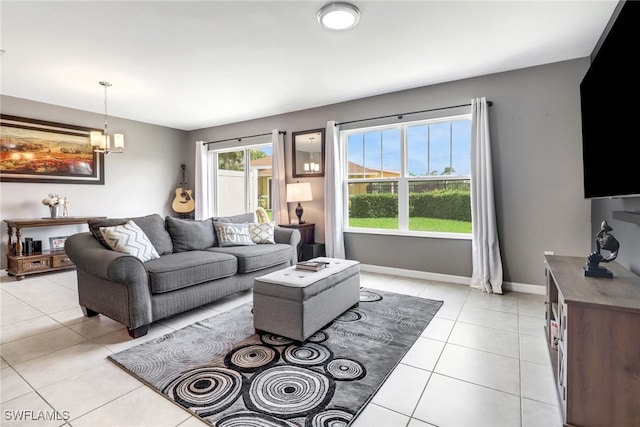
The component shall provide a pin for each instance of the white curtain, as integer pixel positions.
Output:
(333, 193)
(202, 181)
(487, 263)
(278, 180)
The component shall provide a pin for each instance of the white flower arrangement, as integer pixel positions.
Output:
(54, 200)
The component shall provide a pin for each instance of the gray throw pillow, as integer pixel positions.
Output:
(152, 225)
(230, 234)
(189, 234)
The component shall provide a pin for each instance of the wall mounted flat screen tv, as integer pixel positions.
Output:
(610, 106)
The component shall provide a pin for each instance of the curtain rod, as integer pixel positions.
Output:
(240, 138)
(399, 116)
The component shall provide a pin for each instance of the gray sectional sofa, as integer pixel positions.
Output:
(191, 268)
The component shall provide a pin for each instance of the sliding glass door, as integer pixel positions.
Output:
(242, 179)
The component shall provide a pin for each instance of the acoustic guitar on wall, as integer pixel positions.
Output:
(183, 202)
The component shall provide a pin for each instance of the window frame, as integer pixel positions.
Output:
(212, 158)
(403, 180)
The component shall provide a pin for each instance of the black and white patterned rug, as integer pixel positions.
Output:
(224, 373)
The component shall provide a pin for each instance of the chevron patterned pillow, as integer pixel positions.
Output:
(262, 232)
(130, 239)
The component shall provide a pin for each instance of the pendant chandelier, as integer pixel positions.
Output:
(311, 166)
(101, 142)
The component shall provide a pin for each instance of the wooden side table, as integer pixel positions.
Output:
(20, 264)
(307, 235)
(313, 250)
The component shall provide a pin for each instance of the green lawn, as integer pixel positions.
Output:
(415, 224)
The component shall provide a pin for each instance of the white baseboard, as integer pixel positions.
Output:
(459, 280)
(525, 288)
(415, 274)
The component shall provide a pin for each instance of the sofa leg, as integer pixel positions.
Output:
(88, 312)
(138, 332)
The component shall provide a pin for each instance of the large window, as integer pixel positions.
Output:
(242, 179)
(411, 178)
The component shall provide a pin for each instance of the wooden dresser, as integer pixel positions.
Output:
(20, 264)
(593, 328)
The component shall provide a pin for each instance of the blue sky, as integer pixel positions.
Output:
(366, 148)
(266, 149)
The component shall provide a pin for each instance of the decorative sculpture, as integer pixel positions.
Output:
(606, 241)
(65, 204)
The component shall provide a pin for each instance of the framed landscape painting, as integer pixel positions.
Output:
(39, 151)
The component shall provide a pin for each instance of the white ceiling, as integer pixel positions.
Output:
(191, 65)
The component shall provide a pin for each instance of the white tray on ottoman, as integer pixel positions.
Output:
(296, 303)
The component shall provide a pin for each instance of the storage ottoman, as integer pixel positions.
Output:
(296, 303)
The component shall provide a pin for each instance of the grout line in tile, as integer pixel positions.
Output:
(479, 385)
(519, 362)
(424, 389)
(108, 402)
(465, 302)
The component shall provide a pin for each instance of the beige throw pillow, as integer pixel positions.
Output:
(262, 232)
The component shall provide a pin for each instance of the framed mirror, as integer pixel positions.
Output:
(308, 153)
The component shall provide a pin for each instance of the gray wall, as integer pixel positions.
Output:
(139, 182)
(536, 137)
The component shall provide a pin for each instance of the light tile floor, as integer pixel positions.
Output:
(482, 361)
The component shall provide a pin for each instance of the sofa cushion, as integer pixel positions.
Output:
(262, 232)
(152, 225)
(257, 257)
(129, 239)
(229, 234)
(183, 269)
(189, 235)
(237, 219)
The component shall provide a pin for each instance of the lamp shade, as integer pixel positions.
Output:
(299, 192)
(118, 140)
(96, 139)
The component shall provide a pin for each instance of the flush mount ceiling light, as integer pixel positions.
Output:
(339, 16)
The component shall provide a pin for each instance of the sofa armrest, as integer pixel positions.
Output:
(290, 236)
(112, 283)
(91, 257)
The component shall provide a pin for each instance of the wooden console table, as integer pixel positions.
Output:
(592, 331)
(19, 264)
